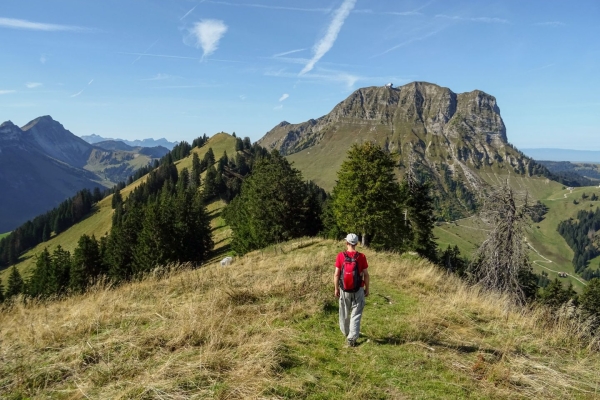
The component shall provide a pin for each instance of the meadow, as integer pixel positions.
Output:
(266, 327)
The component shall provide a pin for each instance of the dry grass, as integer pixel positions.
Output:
(266, 327)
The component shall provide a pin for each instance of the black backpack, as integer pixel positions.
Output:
(350, 278)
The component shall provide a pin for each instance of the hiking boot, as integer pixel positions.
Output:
(351, 343)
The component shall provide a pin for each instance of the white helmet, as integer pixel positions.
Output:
(352, 239)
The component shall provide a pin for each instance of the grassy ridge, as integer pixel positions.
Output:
(100, 221)
(4, 234)
(267, 328)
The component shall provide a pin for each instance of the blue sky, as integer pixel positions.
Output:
(181, 68)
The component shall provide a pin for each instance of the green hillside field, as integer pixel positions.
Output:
(4, 234)
(550, 252)
(100, 221)
(267, 327)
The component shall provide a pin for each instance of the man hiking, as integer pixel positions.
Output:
(351, 281)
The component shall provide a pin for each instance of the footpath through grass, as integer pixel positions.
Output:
(266, 328)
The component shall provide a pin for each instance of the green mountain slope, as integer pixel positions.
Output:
(266, 327)
(550, 252)
(99, 223)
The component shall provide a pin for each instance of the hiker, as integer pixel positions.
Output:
(351, 281)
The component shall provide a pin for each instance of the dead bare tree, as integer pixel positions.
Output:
(501, 261)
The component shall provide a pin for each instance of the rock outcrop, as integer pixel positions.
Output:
(452, 137)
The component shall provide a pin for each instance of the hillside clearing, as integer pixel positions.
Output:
(266, 327)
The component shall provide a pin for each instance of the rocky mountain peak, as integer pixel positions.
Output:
(58, 142)
(9, 132)
(453, 137)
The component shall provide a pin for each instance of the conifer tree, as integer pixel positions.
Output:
(117, 199)
(121, 241)
(590, 301)
(420, 213)
(555, 295)
(86, 265)
(196, 171)
(15, 285)
(1, 292)
(452, 261)
(210, 184)
(209, 158)
(239, 144)
(272, 206)
(367, 199)
(61, 268)
(40, 281)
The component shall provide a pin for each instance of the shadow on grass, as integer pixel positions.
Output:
(215, 213)
(396, 340)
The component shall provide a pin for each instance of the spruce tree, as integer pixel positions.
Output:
(1, 292)
(209, 158)
(367, 199)
(210, 184)
(590, 301)
(61, 268)
(16, 285)
(555, 295)
(86, 265)
(42, 276)
(420, 213)
(117, 199)
(196, 171)
(272, 207)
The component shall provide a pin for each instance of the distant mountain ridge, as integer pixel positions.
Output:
(94, 139)
(32, 181)
(549, 154)
(456, 140)
(43, 163)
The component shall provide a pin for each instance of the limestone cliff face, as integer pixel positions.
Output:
(453, 137)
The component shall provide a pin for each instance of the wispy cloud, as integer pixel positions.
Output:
(411, 40)
(7, 91)
(327, 41)
(487, 20)
(242, 97)
(285, 53)
(145, 52)
(191, 10)
(284, 96)
(322, 75)
(279, 107)
(78, 93)
(553, 24)
(270, 7)
(541, 68)
(159, 55)
(206, 34)
(398, 13)
(32, 85)
(43, 59)
(37, 26)
(158, 77)
(82, 90)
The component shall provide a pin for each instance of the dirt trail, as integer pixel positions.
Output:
(546, 260)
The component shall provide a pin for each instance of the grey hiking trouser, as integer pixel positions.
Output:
(351, 309)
